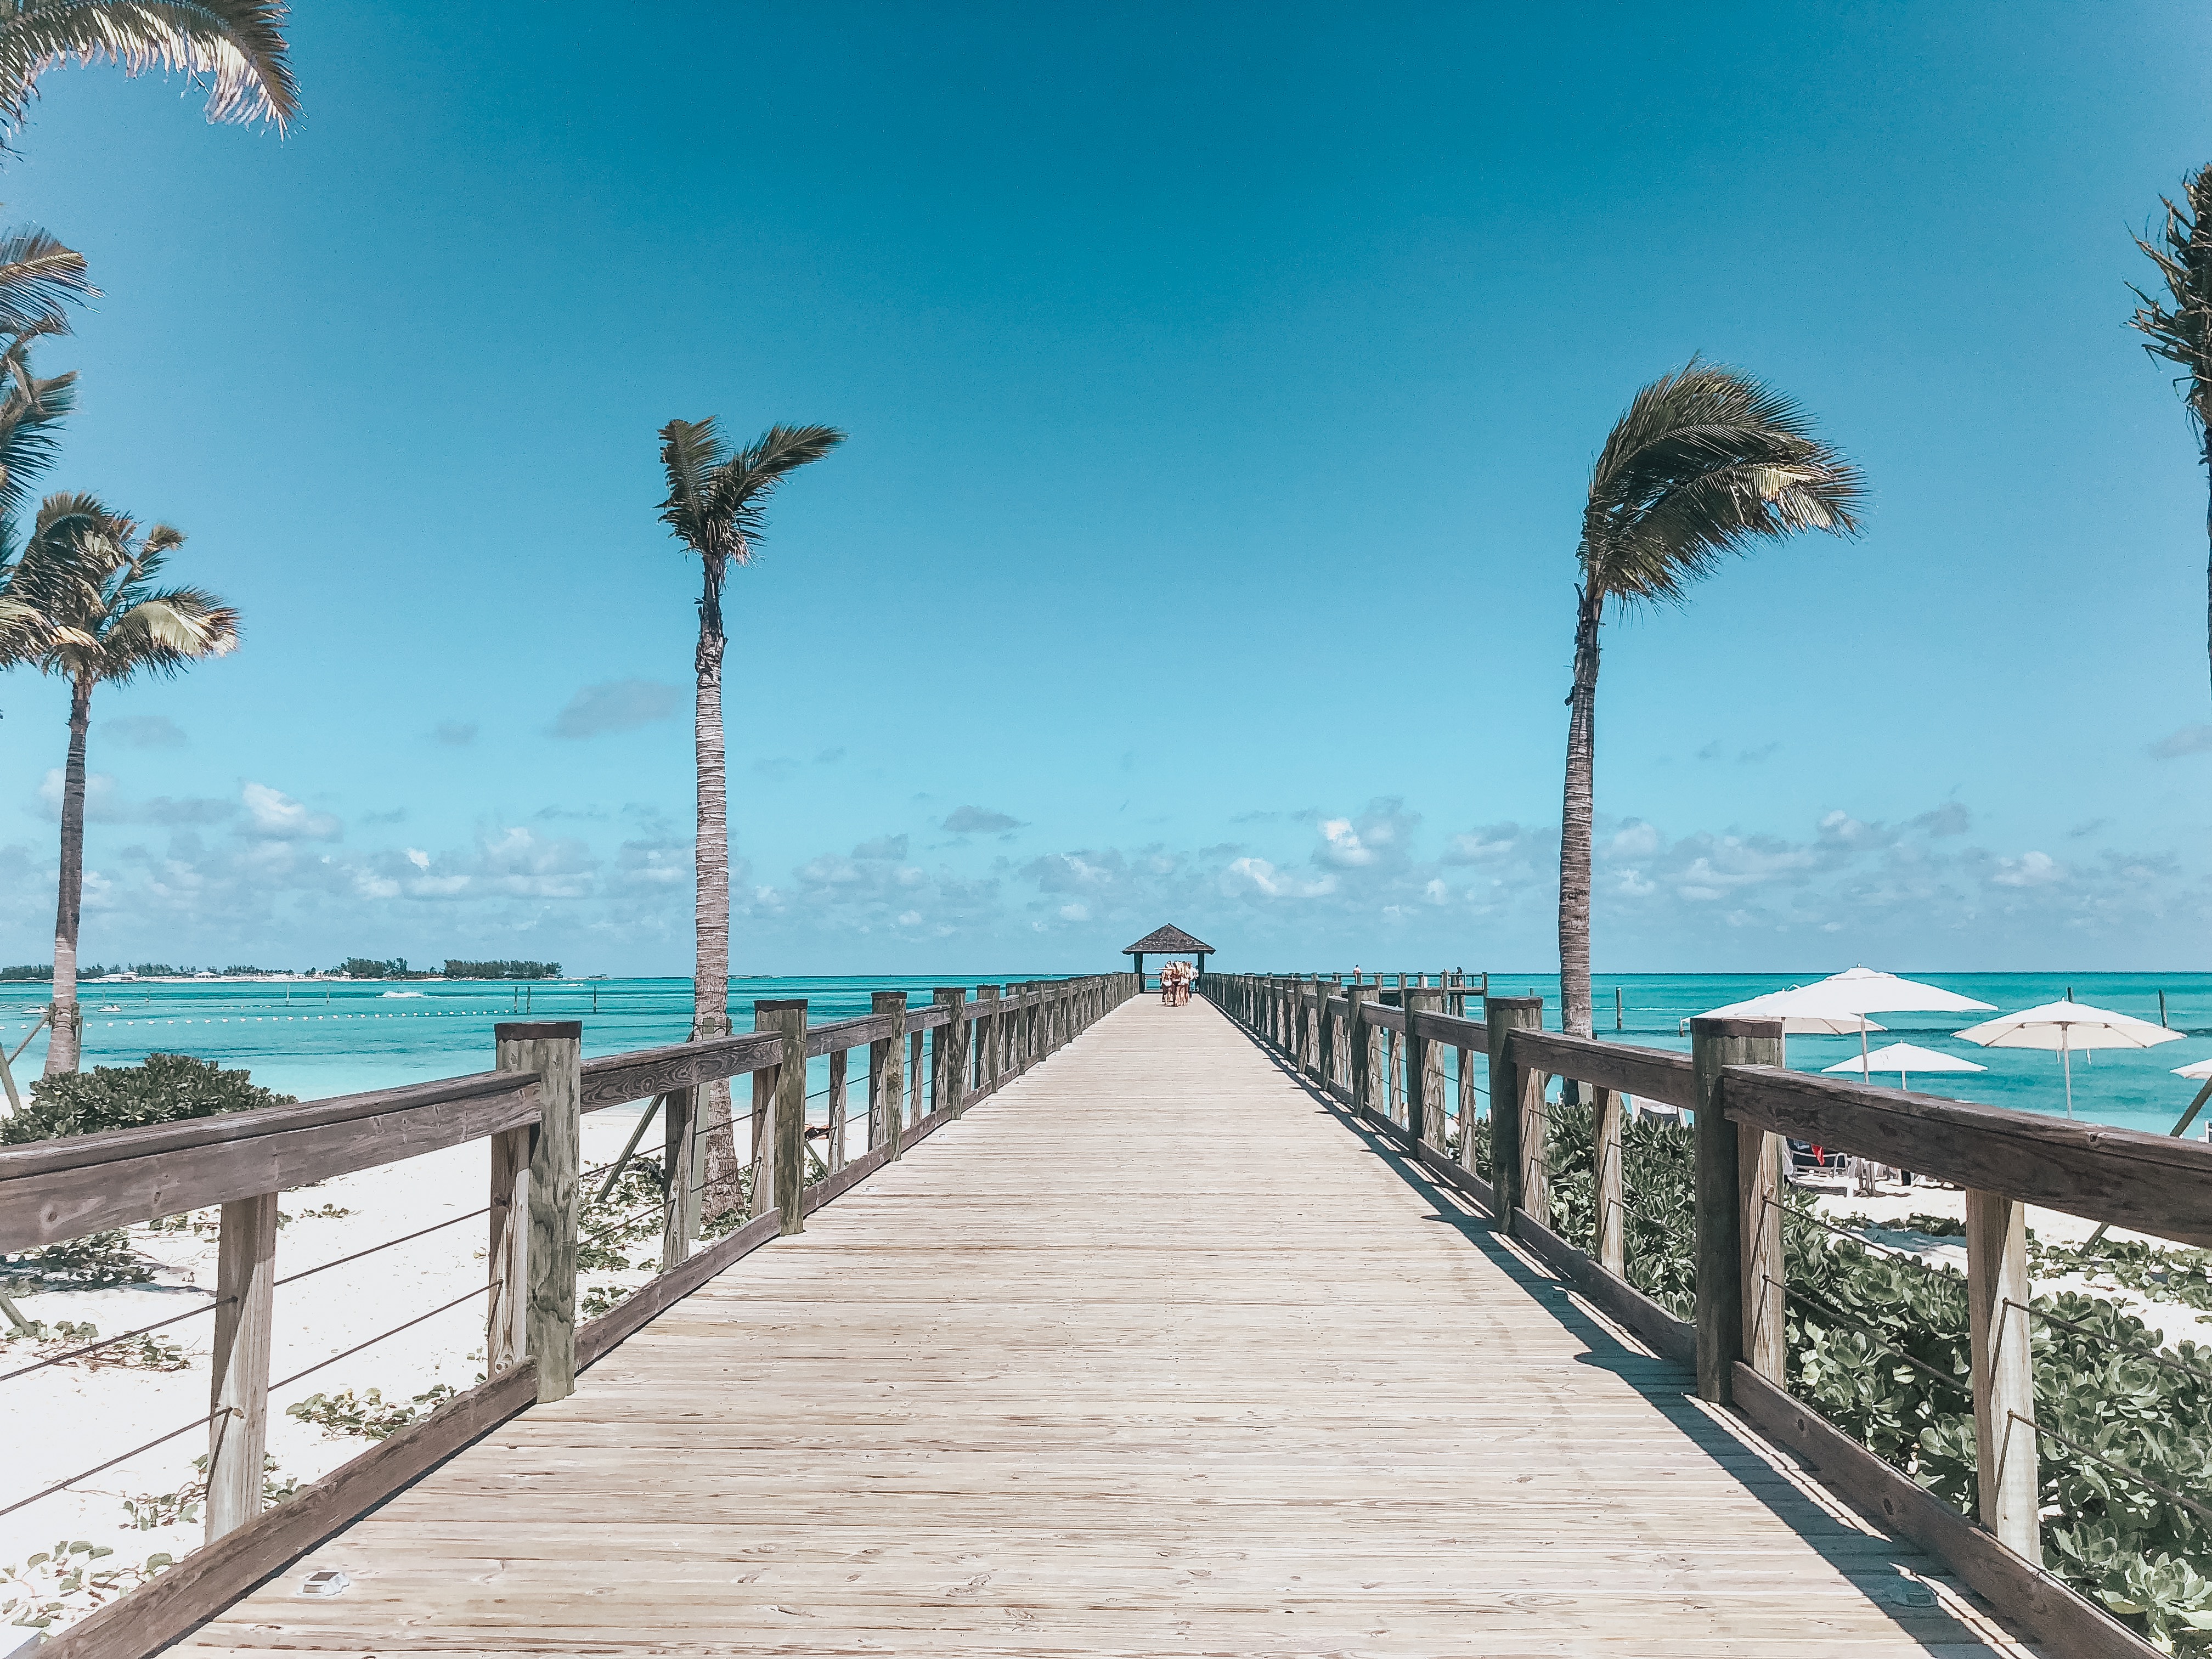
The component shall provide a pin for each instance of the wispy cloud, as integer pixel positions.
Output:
(143, 731)
(617, 705)
(980, 821)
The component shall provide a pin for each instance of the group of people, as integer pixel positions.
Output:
(1175, 983)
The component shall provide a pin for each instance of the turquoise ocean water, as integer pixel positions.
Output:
(314, 1040)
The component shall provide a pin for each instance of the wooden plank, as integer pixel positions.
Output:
(1759, 1190)
(2153, 1183)
(683, 1165)
(506, 1252)
(245, 1309)
(1511, 1084)
(1609, 1119)
(60, 1190)
(1716, 1044)
(886, 1074)
(617, 1080)
(787, 1141)
(1647, 1074)
(1453, 1030)
(841, 1034)
(552, 1051)
(1998, 1293)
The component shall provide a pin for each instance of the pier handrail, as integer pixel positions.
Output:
(1377, 1051)
(529, 1111)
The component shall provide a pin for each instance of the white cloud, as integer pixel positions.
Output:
(274, 815)
(2028, 870)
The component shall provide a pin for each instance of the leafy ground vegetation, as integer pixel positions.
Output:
(1878, 1343)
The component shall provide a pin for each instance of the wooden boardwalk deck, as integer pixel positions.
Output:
(1150, 1353)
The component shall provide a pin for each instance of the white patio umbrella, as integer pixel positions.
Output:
(2196, 1071)
(1903, 1058)
(1839, 1004)
(2068, 1026)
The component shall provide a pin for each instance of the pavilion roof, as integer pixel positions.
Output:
(1166, 941)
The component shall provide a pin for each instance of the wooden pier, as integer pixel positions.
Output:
(1154, 1352)
(1133, 1330)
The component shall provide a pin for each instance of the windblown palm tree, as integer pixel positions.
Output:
(1706, 463)
(88, 574)
(234, 47)
(717, 506)
(2182, 333)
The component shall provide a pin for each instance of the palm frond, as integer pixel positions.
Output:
(38, 277)
(691, 453)
(1706, 463)
(742, 489)
(2181, 332)
(31, 413)
(235, 48)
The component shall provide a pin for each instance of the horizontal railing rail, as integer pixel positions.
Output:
(923, 1067)
(1379, 1052)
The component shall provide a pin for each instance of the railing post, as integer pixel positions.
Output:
(245, 1310)
(553, 1049)
(787, 1139)
(1465, 1058)
(761, 1122)
(1508, 1087)
(886, 1087)
(1358, 1043)
(1394, 1066)
(917, 1083)
(683, 1162)
(1424, 1073)
(835, 1161)
(948, 1051)
(1325, 1039)
(984, 1026)
(1724, 1315)
(506, 1339)
(2006, 1465)
(1607, 1124)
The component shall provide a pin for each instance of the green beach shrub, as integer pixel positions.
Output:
(166, 1088)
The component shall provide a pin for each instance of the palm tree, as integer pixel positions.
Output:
(88, 575)
(31, 409)
(1706, 462)
(2183, 253)
(235, 46)
(717, 506)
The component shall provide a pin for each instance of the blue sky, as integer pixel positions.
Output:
(1223, 384)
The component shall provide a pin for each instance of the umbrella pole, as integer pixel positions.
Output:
(2066, 1059)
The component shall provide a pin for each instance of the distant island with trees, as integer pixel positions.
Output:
(351, 968)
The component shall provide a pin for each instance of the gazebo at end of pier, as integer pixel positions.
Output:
(1168, 941)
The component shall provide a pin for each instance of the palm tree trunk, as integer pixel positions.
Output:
(710, 980)
(65, 1045)
(1575, 815)
(2208, 534)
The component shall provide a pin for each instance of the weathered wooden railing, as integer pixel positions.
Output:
(1377, 1051)
(529, 1108)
